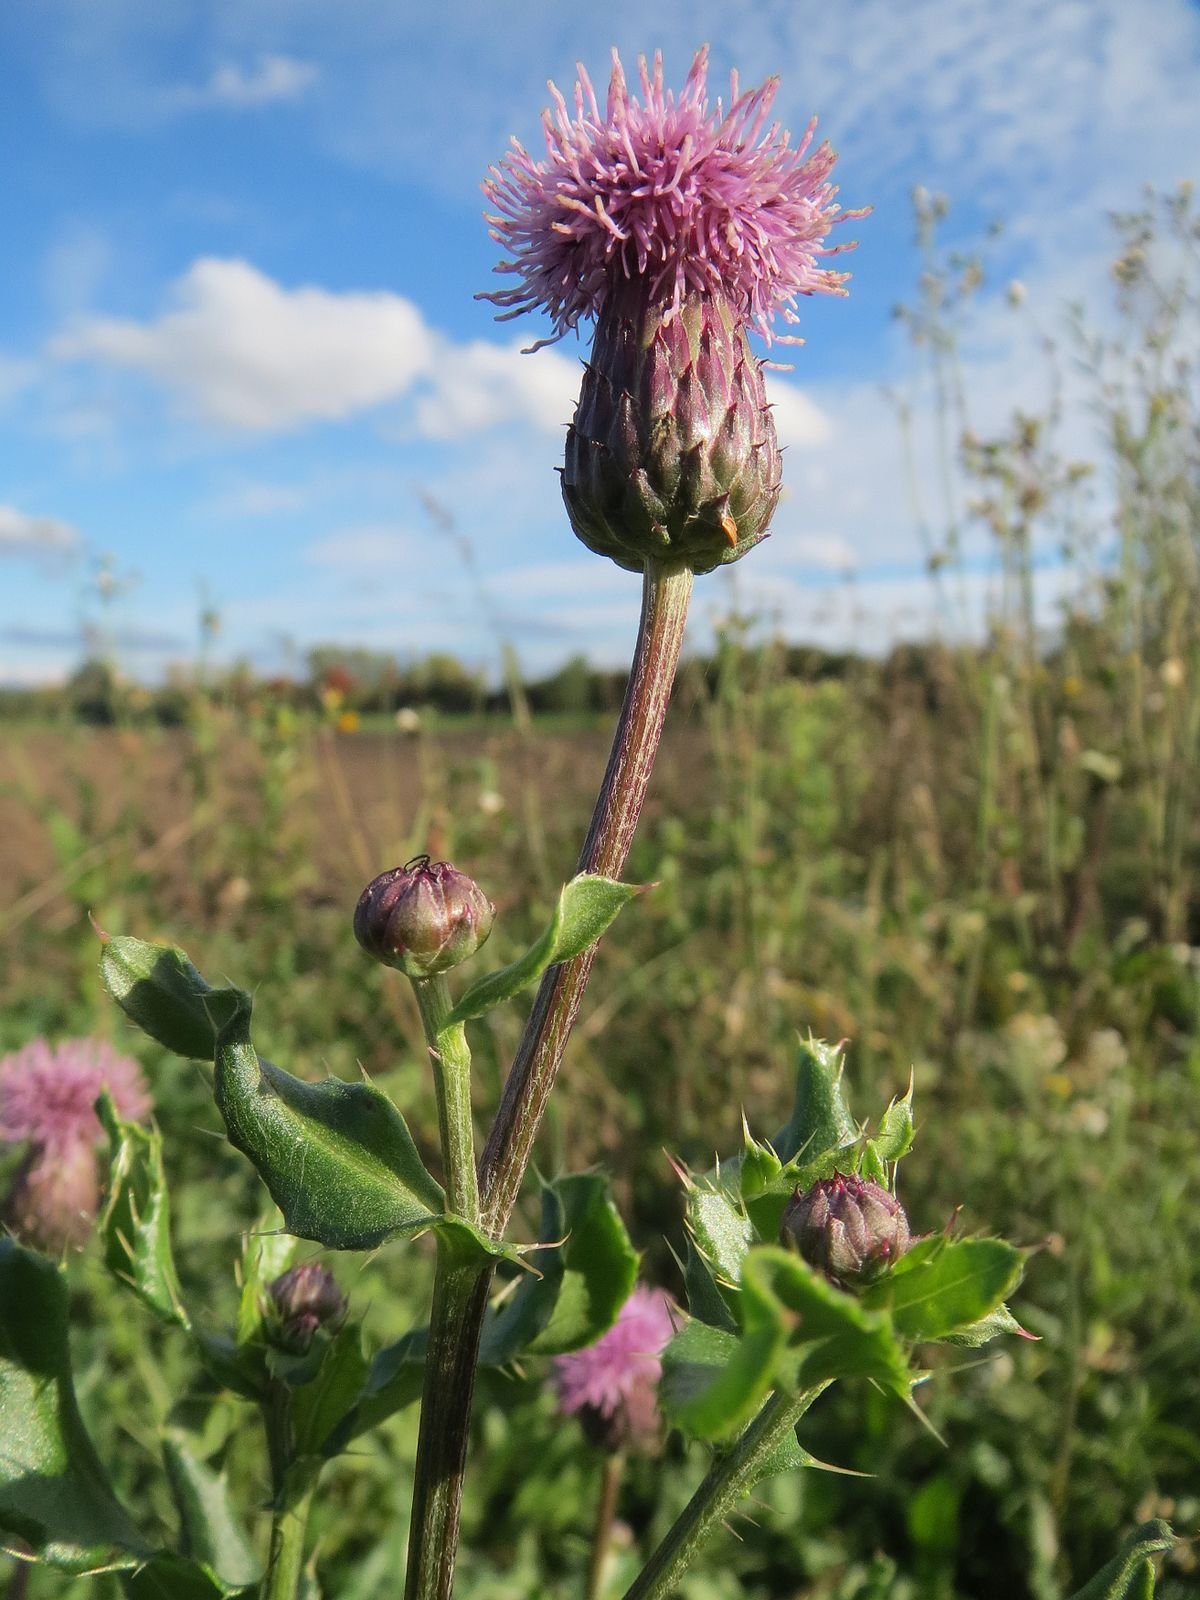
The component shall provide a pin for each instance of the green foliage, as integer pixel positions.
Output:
(135, 1225)
(54, 1492)
(587, 906)
(337, 1157)
(575, 1284)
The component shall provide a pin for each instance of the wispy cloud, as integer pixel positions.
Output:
(46, 540)
(272, 80)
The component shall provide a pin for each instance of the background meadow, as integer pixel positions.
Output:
(927, 783)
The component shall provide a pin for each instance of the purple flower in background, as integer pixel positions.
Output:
(47, 1100)
(668, 190)
(612, 1384)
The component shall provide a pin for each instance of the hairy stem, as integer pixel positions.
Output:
(731, 1476)
(293, 1484)
(461, 1292)
(285, 1564)
(451, 1061)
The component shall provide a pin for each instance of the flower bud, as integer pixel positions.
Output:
(672, 455)
(424, 917)
(304, 1299)
(850, 1228)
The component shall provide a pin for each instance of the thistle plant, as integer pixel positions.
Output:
(678, 228)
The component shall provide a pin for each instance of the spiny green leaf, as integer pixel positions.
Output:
(587, 1268)
(820, 1119)
(944, 1285)
(337, 1157)
(831, 1334)
(894, 1135)
(135, 1225)
(158, 988)
(393, 1382)
(705, 1298)
(999, 1321)
(714, 1381)
(721, 1231)
(586, 908)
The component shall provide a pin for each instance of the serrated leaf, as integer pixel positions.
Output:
(587, 1269)
(760, 1169)
(820, 1119)
(721, 1231)
(159, 989)
(337, 1157)
(705, 1299)
(587, 907)
(831, 1334)
(945, 1285)
(1130, 1576)
(54, 1492)
(894, 1136)
(209, 1531)
(135, 1225)
(798, 1332)
(714, 1381)
(999, 1321)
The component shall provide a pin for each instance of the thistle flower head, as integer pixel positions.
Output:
(48, 1092)
(668, 190)
(611, 1385)
(849, 1227)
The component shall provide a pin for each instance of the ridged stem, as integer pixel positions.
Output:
(730, 1477)
(665, 597)
(461, 1292)
(451, 1061)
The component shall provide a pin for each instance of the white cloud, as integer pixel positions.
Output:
(799, 421)
(34, 674)
(15, 375)
(43, 539)
(273, 80)
(479, 385)
(243, 352)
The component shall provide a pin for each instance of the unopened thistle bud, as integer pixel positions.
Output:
(677, 227)
(672, 454)
(850, 1228)
(302, 1300)
(423, 918)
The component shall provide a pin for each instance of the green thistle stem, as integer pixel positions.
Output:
(460, 1291)
(730, 1477)
(451, 1061)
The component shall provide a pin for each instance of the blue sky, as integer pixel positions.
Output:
(239, 348)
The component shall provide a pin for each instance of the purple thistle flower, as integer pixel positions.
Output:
(47, 1099)
(684, 197)
(611, 1385)
(47, 1092)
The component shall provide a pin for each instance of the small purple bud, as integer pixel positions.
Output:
(850, 1228)
(424, 917)
(304, 1299)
